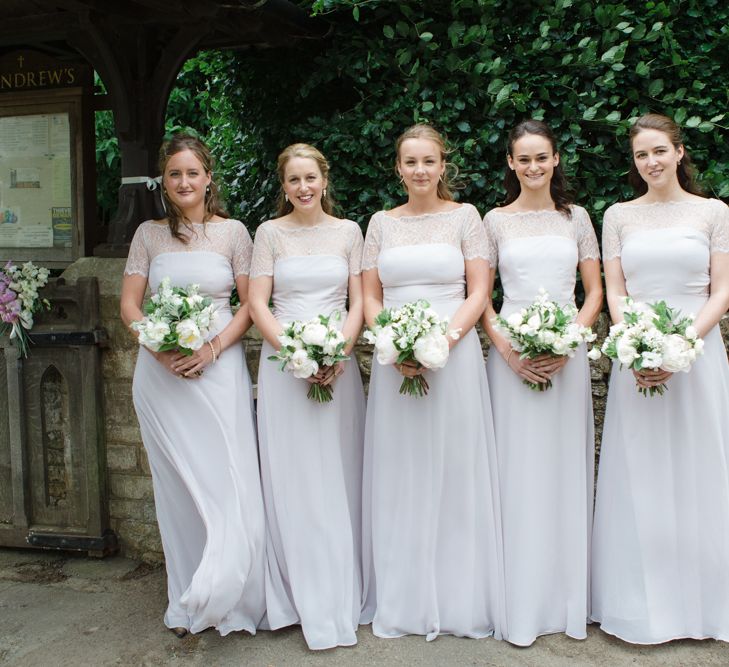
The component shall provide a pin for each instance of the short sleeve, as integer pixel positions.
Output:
(138, 258)
(372, 243)
(356, 245)
(587, 247)
(720, 229)
(473, 241)
(262, 259)
(611, 234)
(492, 245)
(242, 251)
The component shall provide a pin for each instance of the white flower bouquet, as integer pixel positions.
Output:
(307, 346)
(544, 327)
(176, 318)
(413, 332)
(19, 300)
(653, 336)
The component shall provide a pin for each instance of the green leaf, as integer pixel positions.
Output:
(388, 31)
(613, 116)
(464, 126)
(426, 36)
(642, 69)
(427, 106)
(655, 87)
(694, 121)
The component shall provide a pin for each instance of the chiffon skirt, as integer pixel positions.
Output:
(545, 450)
(431, 519)
(661, 535)
(311, 465)
(201, 444)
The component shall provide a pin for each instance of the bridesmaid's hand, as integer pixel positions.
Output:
(169, 359)
(549, 364)
(410, 369)
(527, 369)
(649, 377)
(192, 367)
(327, 374)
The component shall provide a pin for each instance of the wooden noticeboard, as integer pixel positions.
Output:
(44, 149)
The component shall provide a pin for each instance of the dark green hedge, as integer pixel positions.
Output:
(473, 69)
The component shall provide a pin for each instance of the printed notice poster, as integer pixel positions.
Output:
(35, 181)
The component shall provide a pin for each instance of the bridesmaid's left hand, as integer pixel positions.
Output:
(193, 366)
(548, 364)
(649, 377)
(326, 374)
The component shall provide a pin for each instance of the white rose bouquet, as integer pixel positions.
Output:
(653, 336)
(19, 300)
(176, 318)
(307, 346)
(413, 332)
(544, 327)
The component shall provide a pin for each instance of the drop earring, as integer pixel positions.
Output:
(324, 192)
(286, 197)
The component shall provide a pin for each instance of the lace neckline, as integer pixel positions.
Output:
(195, 224)
(536, 211)
(302, 228)
(668, 202)
(447, 211)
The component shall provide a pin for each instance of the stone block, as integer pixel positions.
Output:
(119, 362)
(108, 271)
(122, 458)
(139, 538)
(131, 487)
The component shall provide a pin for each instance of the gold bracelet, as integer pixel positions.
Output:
(212, 349)
(508, 356)
(220, 344)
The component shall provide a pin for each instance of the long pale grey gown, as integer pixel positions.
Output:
(661, 537)
(201, 443)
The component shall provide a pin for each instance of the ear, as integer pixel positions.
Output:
(510, 162)
(209, 178)
(556, 159)
(325, 182)
(680, 152)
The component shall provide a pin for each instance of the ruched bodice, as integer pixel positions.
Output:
(210, 270)
(432, 272)
(304, 287)
(670, 264)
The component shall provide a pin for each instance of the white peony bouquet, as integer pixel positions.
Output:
(19, 300)
(544, 327)
(176, 318)
(413, 332)
(307, 346)
(653, 336)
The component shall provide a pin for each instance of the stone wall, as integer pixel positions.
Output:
(131, 499)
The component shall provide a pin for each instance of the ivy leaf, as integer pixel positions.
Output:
(694, 121)
(427, 106)
(426, 36)
(388, 31)
(655, 87)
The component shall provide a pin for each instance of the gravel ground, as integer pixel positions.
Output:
(58, 610)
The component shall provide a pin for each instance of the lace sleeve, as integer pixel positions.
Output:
(611, 245)
(355, 250)
(138, 259)
(262, 259)
(587, 247)
(720, 229)
(473, 242)
(372, 243)
(489, 227)
(242, 251)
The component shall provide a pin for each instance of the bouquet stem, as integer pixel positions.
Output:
(319, 393)
(538, 386)
(652, 391)
(415, 386)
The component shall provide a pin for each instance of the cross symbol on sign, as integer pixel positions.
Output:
(20, 61)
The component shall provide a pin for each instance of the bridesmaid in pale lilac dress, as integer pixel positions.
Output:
(196, 413)
(307, 262)
(430, 513)
(661, 536)
(544, 439)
